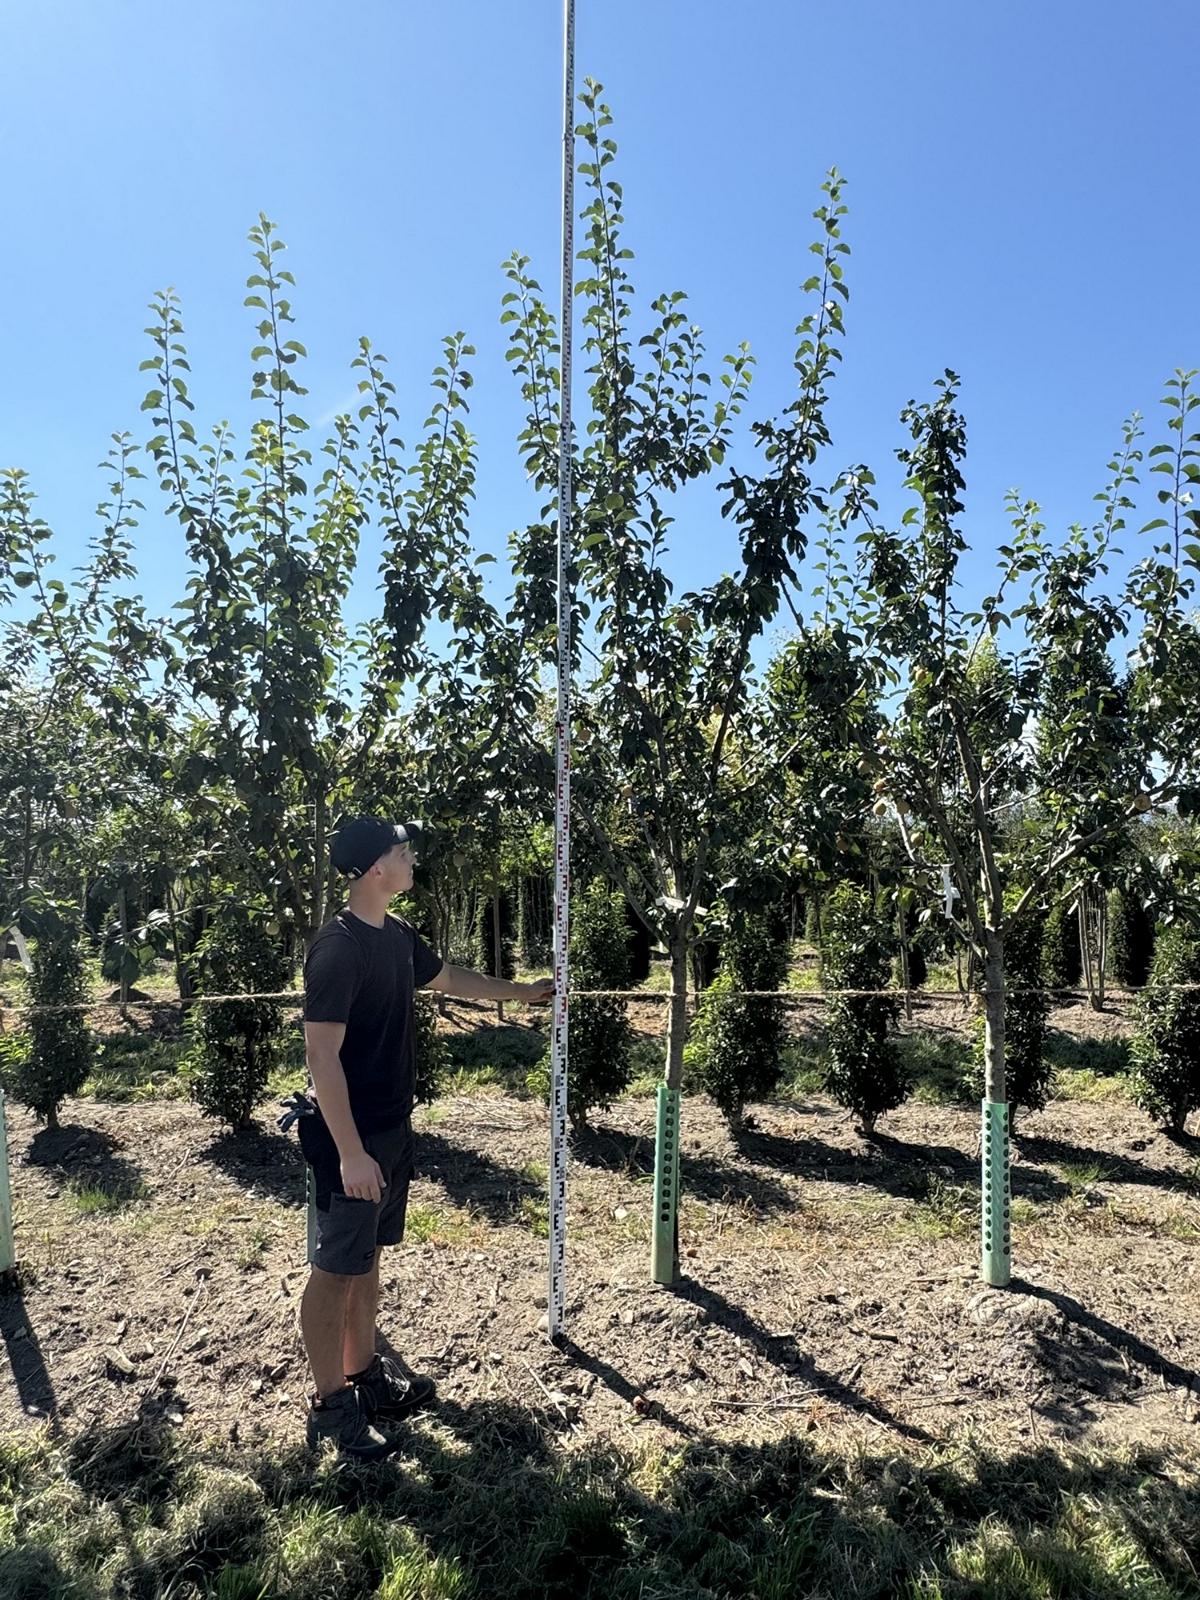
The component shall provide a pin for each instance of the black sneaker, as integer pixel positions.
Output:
(343, 1420)
(389, 1392)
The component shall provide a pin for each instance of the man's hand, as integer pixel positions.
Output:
(361, 1177)
(537, 994)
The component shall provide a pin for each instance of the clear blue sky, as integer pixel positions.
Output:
(1022, 183)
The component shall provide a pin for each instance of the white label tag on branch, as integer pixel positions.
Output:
(949, 892)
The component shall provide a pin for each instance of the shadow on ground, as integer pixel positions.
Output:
(483, 1499)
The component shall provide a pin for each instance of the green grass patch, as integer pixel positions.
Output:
(803, 1073)
(939, 1210)
(535, 1214)
(648, 1057)
(1085, 1084)
(445, 1225)
(494, 1057)
(132, 1068)
(92, 1197)
(1108, 1057)
(941, 1068)
(495, 1506)
(1081, 1177)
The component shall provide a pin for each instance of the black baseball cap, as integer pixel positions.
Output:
(359, 843)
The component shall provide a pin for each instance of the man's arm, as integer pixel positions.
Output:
(361, 1177)
(464, 984)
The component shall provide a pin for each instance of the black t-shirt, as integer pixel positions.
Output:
(365, 977)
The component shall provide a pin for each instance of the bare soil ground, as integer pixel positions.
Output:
(831, 1284)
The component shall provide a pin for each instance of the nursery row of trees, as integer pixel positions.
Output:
(1037, 744)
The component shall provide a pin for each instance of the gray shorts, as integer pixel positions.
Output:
(349, 1231)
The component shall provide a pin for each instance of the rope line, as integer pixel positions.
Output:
(294, 997)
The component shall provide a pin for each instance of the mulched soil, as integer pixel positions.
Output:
(830, 1283)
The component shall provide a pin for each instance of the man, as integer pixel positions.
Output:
(360, 975)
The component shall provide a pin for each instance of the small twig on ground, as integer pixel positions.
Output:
(790, 1404)
(187, 1315)
(563, 1409)
(869, 1333)
(178, 1266)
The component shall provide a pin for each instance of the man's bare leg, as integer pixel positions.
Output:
(362, 1308)
(323, 1324)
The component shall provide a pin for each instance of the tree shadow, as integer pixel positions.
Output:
(489, 1493)
(137, 1458)
(268, 1163)
(1114, 1168)
(474, 1181)
(783, 1353)
(1103, 1373)
(705, 1177)
(896, 1166)
(35, 1388)
(617, 1383)
(86, 1158)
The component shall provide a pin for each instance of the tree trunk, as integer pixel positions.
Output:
(319, 877)
(497, 949)
(1101, 946)
(677, 1027)
(1083, 917)
(124, 914)
(995, 1077)
(183, 978)
(27, 843)
(905, 974)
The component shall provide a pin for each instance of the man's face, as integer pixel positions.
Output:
(396, 869)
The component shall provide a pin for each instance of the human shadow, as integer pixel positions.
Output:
(30, 1374)
(475, 1181)
(267, 1163)
(705, 1177)
(86, 1159)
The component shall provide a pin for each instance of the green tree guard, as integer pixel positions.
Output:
(665, 1230)
(8, 1256)
(997, 1196)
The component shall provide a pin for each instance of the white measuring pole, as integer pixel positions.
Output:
(562, 720)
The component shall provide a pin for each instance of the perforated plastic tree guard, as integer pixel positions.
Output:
(666, 1187)
(997, 1196)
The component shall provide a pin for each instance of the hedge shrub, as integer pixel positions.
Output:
(601, 1039)
(863, 1069)
(737, 1044)
(236, 1043)
(54, 1059)
(1130, 939)
(1166, 1042)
